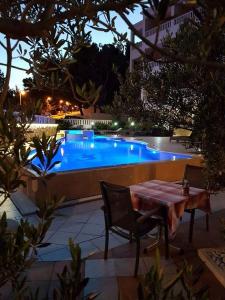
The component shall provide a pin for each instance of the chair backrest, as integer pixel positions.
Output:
(195, 176)
(117, 202)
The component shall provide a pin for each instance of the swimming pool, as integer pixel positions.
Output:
(100, 151)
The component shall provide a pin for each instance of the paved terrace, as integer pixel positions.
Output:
(84, 223)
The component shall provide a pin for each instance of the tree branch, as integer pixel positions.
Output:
(18, 29)
(166, 53)
(8, 72)
(14, 67)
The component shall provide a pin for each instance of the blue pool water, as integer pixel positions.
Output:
(106, 152)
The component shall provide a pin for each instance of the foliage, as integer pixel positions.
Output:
(14, 154)
(182, 95)
(102, 126)
(64, 124)
(19, 245)
(183, 286)
(70, 280)
(103, 64)
(46, 149)
(126, 102)
(197, 99)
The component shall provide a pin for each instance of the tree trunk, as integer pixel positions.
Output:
(8, 72)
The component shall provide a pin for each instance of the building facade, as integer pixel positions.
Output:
(177, 13)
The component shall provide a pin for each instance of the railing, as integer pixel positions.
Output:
(168, 24)
(87, 123)
(43, 120)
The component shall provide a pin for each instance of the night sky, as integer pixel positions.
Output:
(97, 37)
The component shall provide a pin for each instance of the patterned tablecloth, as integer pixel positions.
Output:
(150, 194)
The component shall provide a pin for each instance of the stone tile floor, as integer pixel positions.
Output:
(84, 223)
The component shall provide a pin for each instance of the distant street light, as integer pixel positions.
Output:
(132, 123)
(22, 93)
(115, 123)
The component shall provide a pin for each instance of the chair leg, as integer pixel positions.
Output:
(166, 231)
(159, 232)
(130, 237)
(106, 243)
(166, 237)
(191, 225)
(137, 256)
(207, 222)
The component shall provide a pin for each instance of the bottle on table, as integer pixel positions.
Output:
(185, 187)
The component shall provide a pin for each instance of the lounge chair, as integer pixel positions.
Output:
(180, 135)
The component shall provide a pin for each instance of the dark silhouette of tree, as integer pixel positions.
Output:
(98, 64)
(1, 80)
(101, 65)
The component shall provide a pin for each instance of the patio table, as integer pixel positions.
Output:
(169, 196)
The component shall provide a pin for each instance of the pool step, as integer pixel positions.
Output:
(23, 203)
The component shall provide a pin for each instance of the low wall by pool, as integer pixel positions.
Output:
(85, 183)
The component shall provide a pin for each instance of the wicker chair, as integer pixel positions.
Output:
(195, 177)
(121, 219)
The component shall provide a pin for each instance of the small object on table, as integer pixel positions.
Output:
(185, 187)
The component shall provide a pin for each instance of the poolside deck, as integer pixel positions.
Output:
(84, 223)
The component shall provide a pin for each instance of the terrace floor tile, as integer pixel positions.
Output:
(95, 229)
(83, 237)
(87, 249)
(74, 228)
(50, 248)
(60, 237)
(57, 255)
(97, 218)
(38, 273)
(78, 218)
(106, 287)
(113, 242)
(97, 268)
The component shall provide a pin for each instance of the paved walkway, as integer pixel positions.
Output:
(164, 144)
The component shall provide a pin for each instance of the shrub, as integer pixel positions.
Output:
(64, 124)
(102, 126)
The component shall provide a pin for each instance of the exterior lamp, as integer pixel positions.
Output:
(49, 98)
(22, 93)
(67, 103)
(92, 123)
(61, 101)
(132, 123)
(115, 123)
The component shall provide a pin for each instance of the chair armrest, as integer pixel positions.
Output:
(147, 215)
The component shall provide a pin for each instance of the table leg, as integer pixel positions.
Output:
(166, 232)
(168, 245)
